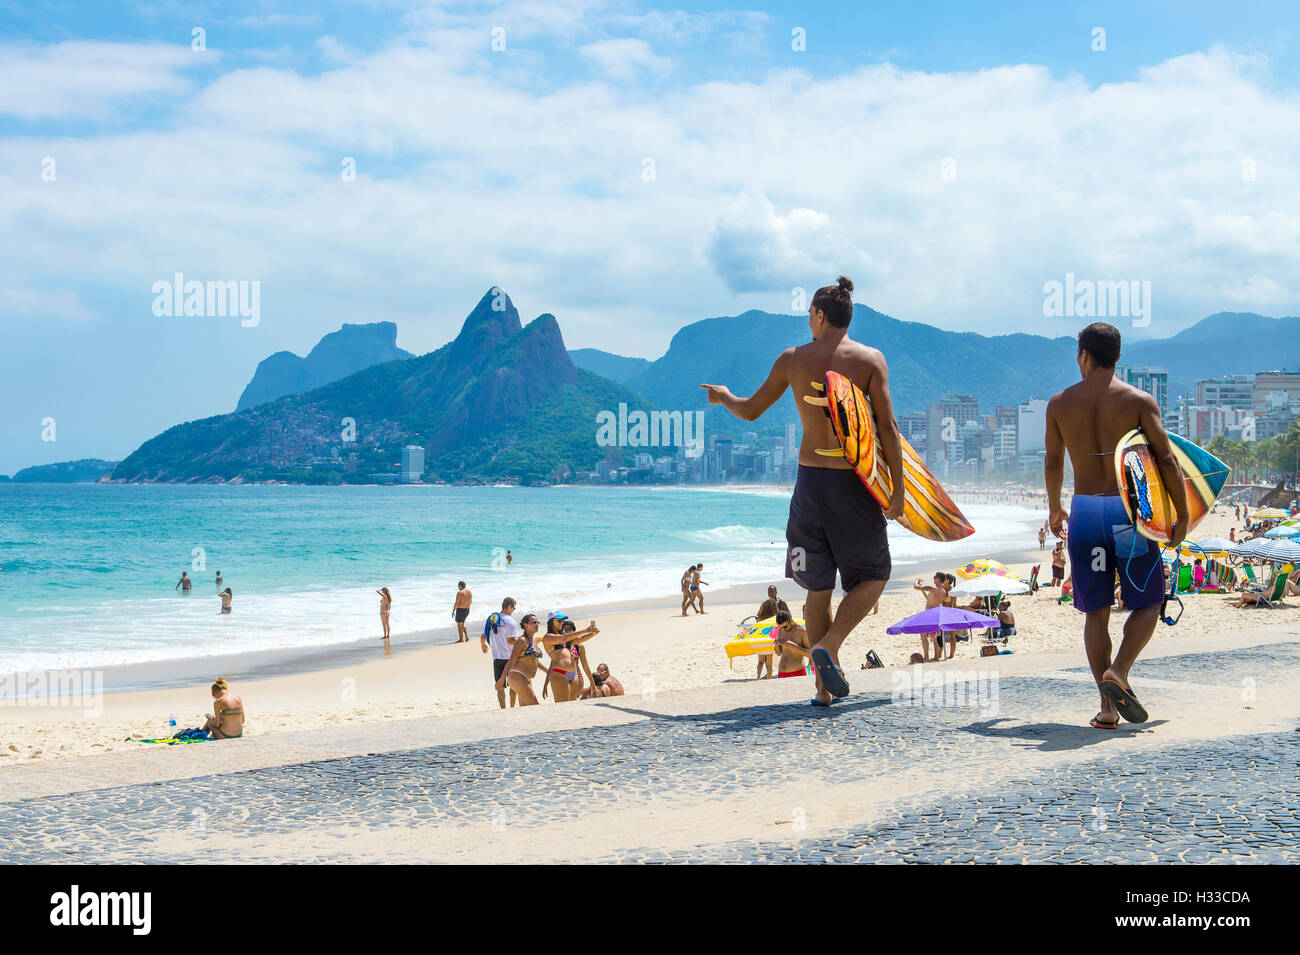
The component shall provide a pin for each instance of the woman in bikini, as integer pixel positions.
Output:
(385, 605)
(687, 597)
(521, 667)
(563, 678)
(226, 596)
(227, 719)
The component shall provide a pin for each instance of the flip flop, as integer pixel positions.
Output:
(832, 676)
(1125, 701)
(1099, 724)
(816, 702)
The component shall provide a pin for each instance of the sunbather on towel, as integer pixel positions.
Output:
(227, 719)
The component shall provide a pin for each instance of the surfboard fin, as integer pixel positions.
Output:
(836, 453)
(819, 402)
(818, 386)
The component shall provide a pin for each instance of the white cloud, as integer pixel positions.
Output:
(625, 58)
(59, 305)
(755, 250)
(84, 78)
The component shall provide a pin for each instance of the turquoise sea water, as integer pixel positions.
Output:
(89, 570)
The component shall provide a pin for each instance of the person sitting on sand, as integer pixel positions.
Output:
(562, 676)
(227, 719)
(793, 646)
(460, 610)
(1007, 619)
(184, 584)
(521, 665)
(226, 596)
(385, 605)
(934, 597)
(688, 599)
(603, 684)
(768, 609)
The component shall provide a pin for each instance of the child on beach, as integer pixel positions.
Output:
(835, 526)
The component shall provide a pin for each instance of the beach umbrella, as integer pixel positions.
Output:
(758, 637)
(1284, 530)
(943, 618)
(989, 585)
(1282, 551)
(1269, 514)
(983, 566)
(1214, 546)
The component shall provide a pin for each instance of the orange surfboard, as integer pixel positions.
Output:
(928, 511)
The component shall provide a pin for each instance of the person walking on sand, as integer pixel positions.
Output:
(1042, 538)
(184, 584)
(227, 719)
(696, 593)
(500, 633)
(688, 598)
(835, 525)
(768, 609)
(460, 610)
(385, 605)
(226, 596)
(1087, 420)
(521, 666)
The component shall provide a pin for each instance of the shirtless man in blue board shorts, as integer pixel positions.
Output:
(1088, 420)
(835, 524)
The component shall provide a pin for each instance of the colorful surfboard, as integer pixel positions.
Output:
(1145, 498)
(927, 509)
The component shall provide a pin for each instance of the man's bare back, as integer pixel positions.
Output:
(1091, 418)
(808, 363)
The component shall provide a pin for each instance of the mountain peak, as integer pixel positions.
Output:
(492, 323)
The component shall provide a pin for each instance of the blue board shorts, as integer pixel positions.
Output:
(1101, 541)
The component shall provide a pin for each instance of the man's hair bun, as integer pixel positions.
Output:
(836, 302)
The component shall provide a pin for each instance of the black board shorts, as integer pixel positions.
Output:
(498, 667)
(462, 613)
(835, 525)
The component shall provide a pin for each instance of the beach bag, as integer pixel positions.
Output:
(873, 661)
(988, 650)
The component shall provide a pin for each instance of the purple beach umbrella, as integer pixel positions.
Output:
(942, 618)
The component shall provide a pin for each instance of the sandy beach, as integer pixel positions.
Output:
(650, 648)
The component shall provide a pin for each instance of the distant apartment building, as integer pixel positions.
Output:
(912, 427)
(412, 468)
(1031, 425)
(791, 441)
(1270, 386)
(943, 422)
(1004, 443)
(1202, 423)
(1154, 381)
(722, 449)
(1226, 391)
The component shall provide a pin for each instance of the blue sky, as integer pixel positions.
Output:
(951, 159)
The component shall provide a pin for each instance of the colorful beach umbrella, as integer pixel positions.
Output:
(983, 566)
(943, 618)
(1269, 514)
(1284, 530)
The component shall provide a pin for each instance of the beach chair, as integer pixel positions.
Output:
(1185, 585)
(1033, 580)
(1276, 592)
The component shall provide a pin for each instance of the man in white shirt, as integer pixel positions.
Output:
(499, 634)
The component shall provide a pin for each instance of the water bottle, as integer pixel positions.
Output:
(171, 720)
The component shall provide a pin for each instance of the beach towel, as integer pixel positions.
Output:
(184, 736)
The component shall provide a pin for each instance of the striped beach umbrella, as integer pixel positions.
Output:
(1284, 530)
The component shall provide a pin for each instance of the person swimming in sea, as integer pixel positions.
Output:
(1088, 420)
(184, 584)
(219, 580)
(227, 719)
(385, 606)
(226, 596)
(835, 525)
